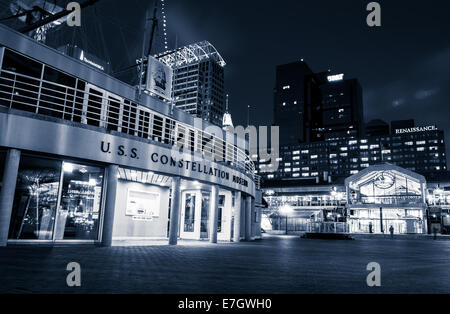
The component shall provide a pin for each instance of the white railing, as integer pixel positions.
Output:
(87, 104)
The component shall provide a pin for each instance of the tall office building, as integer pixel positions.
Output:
(296, 92)
(312, 107)
(340, 115)
(199, 80)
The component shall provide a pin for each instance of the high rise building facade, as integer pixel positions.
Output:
(419, 149)
(199, 80)
(312, 107)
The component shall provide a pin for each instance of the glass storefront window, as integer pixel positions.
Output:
(79, 212)
(189, 216)
(219, 215)
(36, 198)
(205, 213)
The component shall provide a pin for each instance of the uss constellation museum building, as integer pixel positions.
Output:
(83, 159)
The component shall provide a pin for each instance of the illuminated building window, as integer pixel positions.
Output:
(363, 147)
(305, 151)
(409, 143)
(305, 174)
(296, 152)
(386, 151)
(352, 142)
(333, 155)
(314, 156)
(344, 149)
(305, 169)
(286, 87)
(365, 159)
(344, 154)
(296, 175)
(420, 142)
(363, 141)
(374, 146)
(287, 169)
(296, 158)
(354, 171)
(420, 149)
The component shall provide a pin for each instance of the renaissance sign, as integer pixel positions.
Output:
(416, 129)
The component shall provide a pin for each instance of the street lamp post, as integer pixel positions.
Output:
(285, 210)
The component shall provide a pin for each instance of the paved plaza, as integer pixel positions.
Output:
(276, 264)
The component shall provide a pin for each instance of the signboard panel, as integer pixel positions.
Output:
(143, 205)
(159, 78)
(33, 134)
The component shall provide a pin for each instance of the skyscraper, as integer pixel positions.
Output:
(199, 80)
(311, 107)
(296, 90)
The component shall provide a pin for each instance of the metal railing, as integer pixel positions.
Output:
(87, 104)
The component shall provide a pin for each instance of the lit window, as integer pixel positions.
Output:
(364, 147)
(287, 164)
(296, 158)
(364, 159)
(286, 87)
(364, 165)
(409, 143)
(305, 151)
(287, 169)
(296, 175)
(270, 176)
(420, 149)
(352, 142)
(305, 169)
(374, 146)
(344, 149)
(314, 156)
(420, 142)
(344, 154)
(333, 155)
(296, 152)
(305, 174)
(354, 171)
(386, 151)
(363, 141)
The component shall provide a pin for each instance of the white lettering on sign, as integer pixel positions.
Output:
(83, 58)
(416, 129)
(335, 78)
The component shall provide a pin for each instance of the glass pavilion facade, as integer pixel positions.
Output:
(386, 196)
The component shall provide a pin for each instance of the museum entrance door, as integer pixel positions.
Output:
(195, 215)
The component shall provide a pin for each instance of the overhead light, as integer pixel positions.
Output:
(67, 167)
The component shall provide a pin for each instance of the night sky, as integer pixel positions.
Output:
(402, 66)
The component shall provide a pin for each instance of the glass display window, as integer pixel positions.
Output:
(79, 210)
(36, 198)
